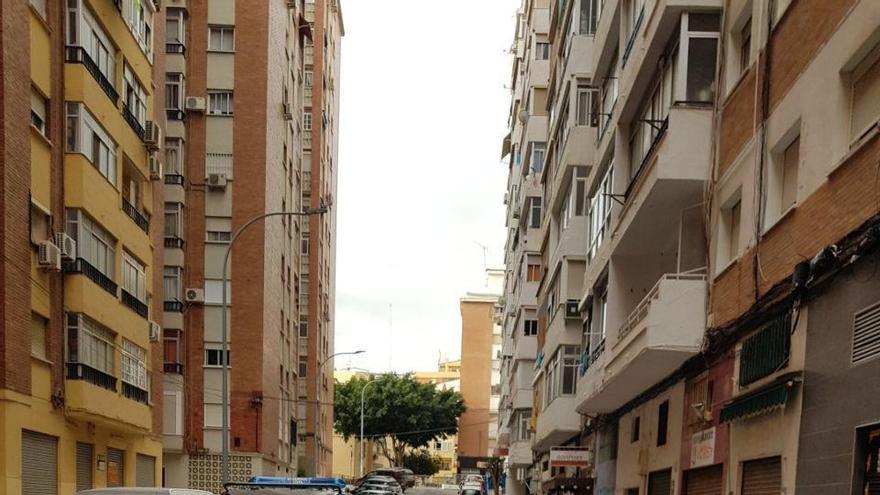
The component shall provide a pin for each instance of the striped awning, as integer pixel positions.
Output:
(771, 397)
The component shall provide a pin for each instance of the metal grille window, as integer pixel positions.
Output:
(220, 102)
(173, 156)
(660, 482)
(766, 351)
(866, 334)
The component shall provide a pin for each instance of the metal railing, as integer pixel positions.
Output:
(133, 123)
(175, 114)
(134, 303)
(600, 348)
(173, 368)
(139, 219)
(644, 306)
(136, 394)
(175, 48)
(172, 306)
(79, 55)
(174, 242)
(173, 179)
(83, 267)
(219, 163)
(79, 371)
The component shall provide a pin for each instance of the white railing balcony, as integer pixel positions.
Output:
(659, 335)
(219, 163)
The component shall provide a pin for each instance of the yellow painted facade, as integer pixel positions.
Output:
(89, 414)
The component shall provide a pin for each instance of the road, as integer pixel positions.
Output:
(430, 491)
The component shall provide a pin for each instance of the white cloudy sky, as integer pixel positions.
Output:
(423, 113)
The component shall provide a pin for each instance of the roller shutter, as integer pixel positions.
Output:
(660, 482)
(115, 467)
(39, 464)
(762, 477)
(704, 481)
(146, 470)
(84, 456)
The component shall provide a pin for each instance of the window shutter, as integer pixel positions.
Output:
(39, 464)
(704, 481)
(765, 352)
(762, 476)
(84, 456)
(866, 334)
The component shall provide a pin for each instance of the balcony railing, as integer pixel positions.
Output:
(79, 55)
(174, 242)
(642, 309)
(134, 303)
(175, 114)
(175, 48)
(173, 368)
(79, 371)
(83, 267)
(173, 306)
(173, 179)
(133, 122)
(632, 37)
(219, 163)
(136, 394)
(600, 348)
(139, 219)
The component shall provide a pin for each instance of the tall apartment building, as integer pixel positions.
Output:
(80, 356)
(480, 384)
(728, 300)
(318, 261)
(239, 93)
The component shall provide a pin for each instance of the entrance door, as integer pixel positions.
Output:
(703, 481)
(39, 464)
(660, 482)
(762, 476)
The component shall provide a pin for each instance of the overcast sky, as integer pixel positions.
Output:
(423, 113)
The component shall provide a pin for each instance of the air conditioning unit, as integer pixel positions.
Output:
(49, 256)
(194, 295)
(155, 332)
(152, 135)
(217, 181)
(571, 309)
(67, 246)
(288, 113)
(194, 104)
(155, 167)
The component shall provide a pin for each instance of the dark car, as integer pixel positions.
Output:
(404, 476)
(277, 485)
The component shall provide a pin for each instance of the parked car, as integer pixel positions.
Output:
(143, 491)
(404, 476)
(380, 483)
(471, 488)
(280, 485)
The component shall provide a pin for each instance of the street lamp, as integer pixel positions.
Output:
(318, 396)
(224, 465)
(363, 396)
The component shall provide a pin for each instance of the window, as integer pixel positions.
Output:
(561, 373)
(172, 277)
(731, 217)
(307, 120)
(307, 78)
(662, 423)
(221, 38)
(174, 91)
(213, 415)
(745, 46)
(865, 94)
(39, 223)
(213, 353)
(303, 369)
(537, 159)
(85, 32)
(867, 460)
(635, 429)
(530, 328)
(174, 26)
(533, 273)
(214, 291)
(138, 15)
(584, 110)
(600, 211)
(633, 10)
(86, 136)
(534, 212)
(701, 41)
(304, 327)
(609, 95)
(542, 51)
(220, 102)
(173, 156)
(38, 336)
(38, 112)
(522, 423)
(134, 277)
(790, 161)
(90, 344)
(135, 96)
(588, 17)
(134, 365)
(93, 243)
(218, 236)
(173, 220)
(654, 111)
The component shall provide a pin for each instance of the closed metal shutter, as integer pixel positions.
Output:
(115, 467)
(660, 482)
(39, 464)
(762, 477)
(84, 456)
(145, 470)
(703, 481)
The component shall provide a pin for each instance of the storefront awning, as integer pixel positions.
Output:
(771, 397)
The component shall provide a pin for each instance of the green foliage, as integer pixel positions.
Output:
(409, 413)
(421, 463)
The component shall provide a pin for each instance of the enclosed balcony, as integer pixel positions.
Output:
(663, 330)
(557, 387)
(557, 423)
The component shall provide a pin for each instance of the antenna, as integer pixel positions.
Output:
(485, 249)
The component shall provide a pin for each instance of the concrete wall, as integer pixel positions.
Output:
(476, 366)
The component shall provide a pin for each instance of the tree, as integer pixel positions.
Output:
(495, 468)
(400, 414)
(421, 463)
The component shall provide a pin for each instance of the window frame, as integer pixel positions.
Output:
(226, 32)
(221, 103)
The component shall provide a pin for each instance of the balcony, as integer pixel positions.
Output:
(83, 267)
(575, 151)
(557, 423)
(136, 216)
(91, 396)
(172, 306)
(134, 303)
(173, 243)
(174, 180)
(175, 114)
(79, 371)
(135, 393)
(133, 122)
(659, 335)
(173, 368)
(175, 48)
(520, 453)
(78, 55)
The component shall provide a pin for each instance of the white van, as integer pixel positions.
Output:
(143, 491)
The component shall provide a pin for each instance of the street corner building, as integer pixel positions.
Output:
(129, 158)
(692, 302)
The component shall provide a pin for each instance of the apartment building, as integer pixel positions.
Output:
(320, 151)
(80, 355)
(728, 297)
(480, 384)
(239, 91)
